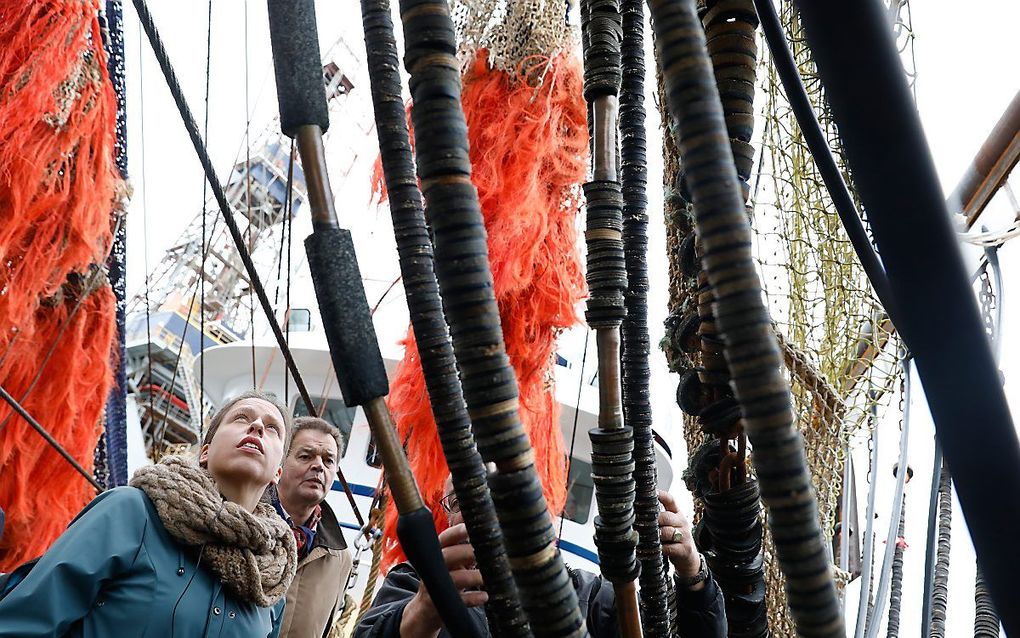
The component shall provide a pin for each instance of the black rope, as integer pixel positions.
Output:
(145, 235)
(428, 321)
(217, 188)
(929, 549)
(465, 281)
(205, 196)
(49, 438)
(247, 197)
(742, 319)
(289, 229)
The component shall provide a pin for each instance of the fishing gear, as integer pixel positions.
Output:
(747, 338)
(842, 201)
(856, 56)
(425, 307)
(612, 458)
(636, 377)
(730, 534)
(340, 293)
(466, 283)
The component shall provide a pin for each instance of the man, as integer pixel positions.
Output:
(403, 609)
(324, 564)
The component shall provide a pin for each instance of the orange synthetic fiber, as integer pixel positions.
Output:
(57, 188)
(529, 149)
(40, 491)
(57, 114)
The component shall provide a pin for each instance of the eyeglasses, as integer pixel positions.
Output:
(450, 503)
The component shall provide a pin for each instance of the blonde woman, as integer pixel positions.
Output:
(189, 549)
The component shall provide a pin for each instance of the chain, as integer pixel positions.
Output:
(986, 298)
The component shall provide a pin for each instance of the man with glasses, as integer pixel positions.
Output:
(403, 609)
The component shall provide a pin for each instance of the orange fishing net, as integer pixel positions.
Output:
(57, 190)
(529, 149)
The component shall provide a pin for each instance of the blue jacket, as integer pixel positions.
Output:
(116, 572)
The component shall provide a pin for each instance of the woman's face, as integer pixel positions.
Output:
(248, 445)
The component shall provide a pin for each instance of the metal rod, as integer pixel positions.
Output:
(398, 473)
(607, 340)
(606, 109)
(17, 407)
(938, 316)
(991, 165)
(313, 162)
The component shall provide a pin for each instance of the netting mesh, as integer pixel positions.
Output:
(838, 344)
(511, 30)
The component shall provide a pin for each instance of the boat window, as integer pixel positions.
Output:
(299, 320)
(333, 411)
(580, 488)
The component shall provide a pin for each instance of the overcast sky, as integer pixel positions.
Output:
(965, 57)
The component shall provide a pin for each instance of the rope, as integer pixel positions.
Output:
(373, 571)
(339, 629)
(159, 50)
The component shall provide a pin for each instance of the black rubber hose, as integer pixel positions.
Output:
(749, 342)
(896, 180)
(466, 284)
(929, 546)
(425, 307)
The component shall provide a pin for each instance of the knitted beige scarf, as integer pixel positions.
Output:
(253, 554)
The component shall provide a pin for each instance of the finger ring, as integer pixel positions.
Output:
(678, 535)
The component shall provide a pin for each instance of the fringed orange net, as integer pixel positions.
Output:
(57, 191)
(529, 149)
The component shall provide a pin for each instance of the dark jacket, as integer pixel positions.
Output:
(117, 572)
(317, 591)
(701, 613)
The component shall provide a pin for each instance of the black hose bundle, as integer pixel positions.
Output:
(742, 320)
(637, 409)
(465, 280)
(732, 546)
(940, 586)
(612, 460)
(425, 307)
(986, 621)
(896, 582)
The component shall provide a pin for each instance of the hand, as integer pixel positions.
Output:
(420, 619)
(682, 553)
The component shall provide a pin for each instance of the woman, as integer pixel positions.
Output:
(188, 550)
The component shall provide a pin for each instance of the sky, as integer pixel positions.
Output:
(966, 76)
